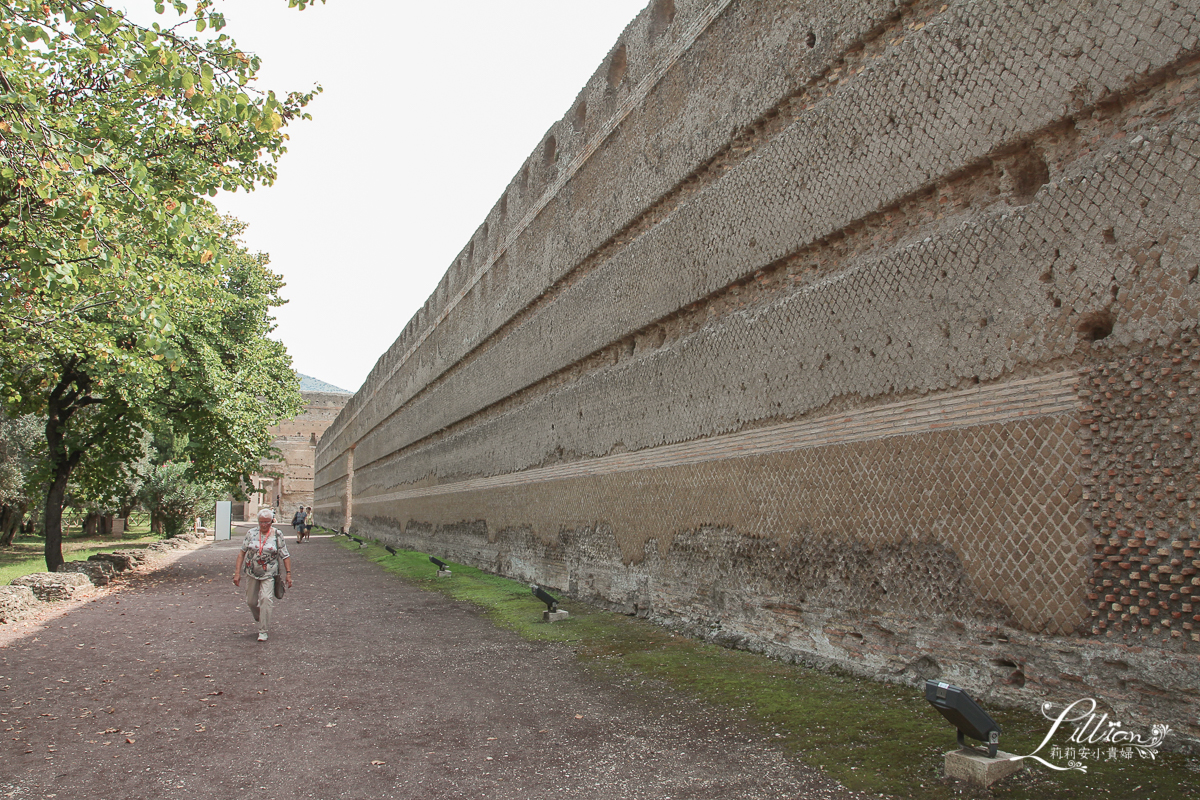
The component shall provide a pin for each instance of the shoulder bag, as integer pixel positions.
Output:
(280, 582)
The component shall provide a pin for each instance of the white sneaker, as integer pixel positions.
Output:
(262, 637)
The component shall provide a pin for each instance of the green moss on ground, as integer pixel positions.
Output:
(873, 737)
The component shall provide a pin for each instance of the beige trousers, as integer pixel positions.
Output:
(260, 596)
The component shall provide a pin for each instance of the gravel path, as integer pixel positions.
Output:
(368, 688)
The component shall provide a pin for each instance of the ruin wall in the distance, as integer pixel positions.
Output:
(857, 332)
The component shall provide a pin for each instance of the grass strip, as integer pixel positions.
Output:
(871, 736)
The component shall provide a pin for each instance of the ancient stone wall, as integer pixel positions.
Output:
(287, 479)
(858, 332)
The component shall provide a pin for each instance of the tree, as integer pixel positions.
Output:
(225, 384)
(20, 455)
(126, 300)
(173, 497)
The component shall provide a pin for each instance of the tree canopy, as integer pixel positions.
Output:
(128, 301)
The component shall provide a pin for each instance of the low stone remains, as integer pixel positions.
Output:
(15, 602)
(119, 561)
(48, 586)
(99, 572)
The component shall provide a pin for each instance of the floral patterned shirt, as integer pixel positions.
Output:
(263, 557)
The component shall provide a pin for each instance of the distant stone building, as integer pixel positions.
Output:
(286, 481)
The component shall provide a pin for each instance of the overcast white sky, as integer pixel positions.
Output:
(429, 109)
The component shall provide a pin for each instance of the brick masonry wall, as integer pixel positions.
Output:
(291, 473)
(856, 333)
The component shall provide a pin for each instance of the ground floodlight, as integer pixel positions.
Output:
(964, 714)
(540, 594)
(390, 549)
(355, 538)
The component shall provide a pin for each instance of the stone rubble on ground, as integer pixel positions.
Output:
(100, 572)
(15, 602)
(49, 586)
(28, 591)
(119, 561)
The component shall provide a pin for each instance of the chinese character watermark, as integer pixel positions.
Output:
(1094, 738)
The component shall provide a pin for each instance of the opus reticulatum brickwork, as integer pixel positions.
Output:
(860, 332)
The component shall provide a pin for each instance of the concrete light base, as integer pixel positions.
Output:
(976, 768)
(554, 616)
(444, 573)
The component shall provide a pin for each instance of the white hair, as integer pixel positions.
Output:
(266, 513)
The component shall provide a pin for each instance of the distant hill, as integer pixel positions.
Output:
(310, 384)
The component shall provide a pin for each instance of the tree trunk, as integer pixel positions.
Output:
(156, 522)
(69, 396)
(106, 525)
(9, 520)
(89, 523)
(54, 507)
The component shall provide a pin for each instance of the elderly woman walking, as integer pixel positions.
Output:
(261, 552)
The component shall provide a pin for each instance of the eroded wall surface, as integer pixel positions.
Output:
(857, 332)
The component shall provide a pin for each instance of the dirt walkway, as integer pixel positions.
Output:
(368, 688)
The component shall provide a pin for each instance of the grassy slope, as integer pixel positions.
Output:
(871, 736)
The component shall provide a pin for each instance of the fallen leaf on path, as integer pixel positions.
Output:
(129, 741)
(377, 763)
(579, 716)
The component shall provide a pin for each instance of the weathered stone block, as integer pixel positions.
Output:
(50, 586)
(138, 556)
(976, 768)
(16, 602)
(99, 572)
(555, 616)
(120, 561)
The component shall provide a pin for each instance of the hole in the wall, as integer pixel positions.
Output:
(549, 152)
(1017, 679)
(1028, 172)
(616, 67)
(661, 16)
(1193, 273)
(1109, 236)
(580, 118)
(1004, 663)
(811, 39)
(926, 667)
(1096, 325)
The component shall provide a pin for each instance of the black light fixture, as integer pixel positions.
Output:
(355, 538)
(390, 549)
(441, 565)
(964, 714)
(548, 599)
